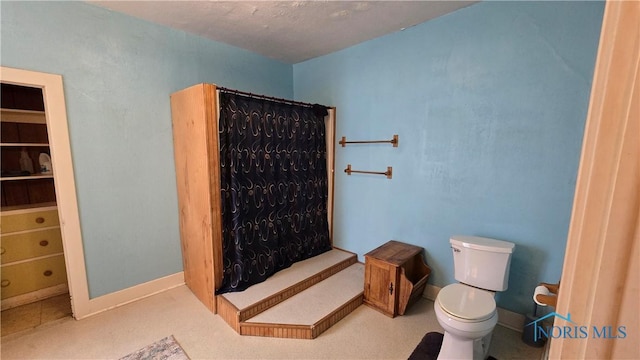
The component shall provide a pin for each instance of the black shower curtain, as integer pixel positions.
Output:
(274, 188)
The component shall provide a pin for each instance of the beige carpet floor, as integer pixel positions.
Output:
(363, 334)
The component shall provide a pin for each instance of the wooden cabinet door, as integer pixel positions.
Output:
(380, 286)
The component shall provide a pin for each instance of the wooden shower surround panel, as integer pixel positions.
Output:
(195, 137)
(320, 275)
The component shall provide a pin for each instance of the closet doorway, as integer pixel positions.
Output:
(41, 245)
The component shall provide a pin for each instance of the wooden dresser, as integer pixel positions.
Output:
(395, 276)
(31, 254)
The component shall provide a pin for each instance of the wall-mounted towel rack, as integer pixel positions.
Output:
(393, 141)
(388, 173)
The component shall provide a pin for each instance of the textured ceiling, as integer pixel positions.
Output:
(289, 31)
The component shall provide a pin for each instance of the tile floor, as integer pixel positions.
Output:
(32, 315)
(363, 334)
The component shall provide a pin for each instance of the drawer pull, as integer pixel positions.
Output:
(47, 273)
(5, 283)
(2, 250)
(44, 243)
(39, 219)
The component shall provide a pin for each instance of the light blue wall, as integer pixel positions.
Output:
(118, 74)
(490, 104)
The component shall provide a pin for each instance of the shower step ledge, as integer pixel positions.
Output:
(238, 307)
(314, 310)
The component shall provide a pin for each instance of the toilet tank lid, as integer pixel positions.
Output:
(482, 243)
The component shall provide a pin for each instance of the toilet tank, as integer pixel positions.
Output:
(482, 262)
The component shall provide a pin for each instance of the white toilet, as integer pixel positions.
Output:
(467, 310)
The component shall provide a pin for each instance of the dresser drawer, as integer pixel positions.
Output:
(31, 276)
(29, 221)
(29, 245)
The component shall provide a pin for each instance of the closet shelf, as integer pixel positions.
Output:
(19, 144)
(23, 116)
(27, 177)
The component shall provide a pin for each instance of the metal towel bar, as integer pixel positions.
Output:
(393, 141)
(388, 173)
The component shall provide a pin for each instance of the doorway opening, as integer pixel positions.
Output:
(34, 286)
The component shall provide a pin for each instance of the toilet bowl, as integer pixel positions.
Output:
(468, 316)
(467, 310)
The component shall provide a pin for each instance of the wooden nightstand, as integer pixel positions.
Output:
(395, 276)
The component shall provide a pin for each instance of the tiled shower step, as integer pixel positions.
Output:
(311, 312)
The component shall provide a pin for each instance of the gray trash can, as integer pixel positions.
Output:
(529, 330)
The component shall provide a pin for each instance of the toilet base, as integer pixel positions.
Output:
(456, 348)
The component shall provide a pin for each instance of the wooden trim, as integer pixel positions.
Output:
(331, 167)
(213, 145)
(288, 331)
(600, 281)
(347, 251)
(64, 180)
(337, 315)
(228, 312)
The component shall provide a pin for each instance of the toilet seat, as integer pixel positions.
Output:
(466, 303)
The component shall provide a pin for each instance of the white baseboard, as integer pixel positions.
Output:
(510, 319)
(126, 296)
(506, 318)
(431, 292)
